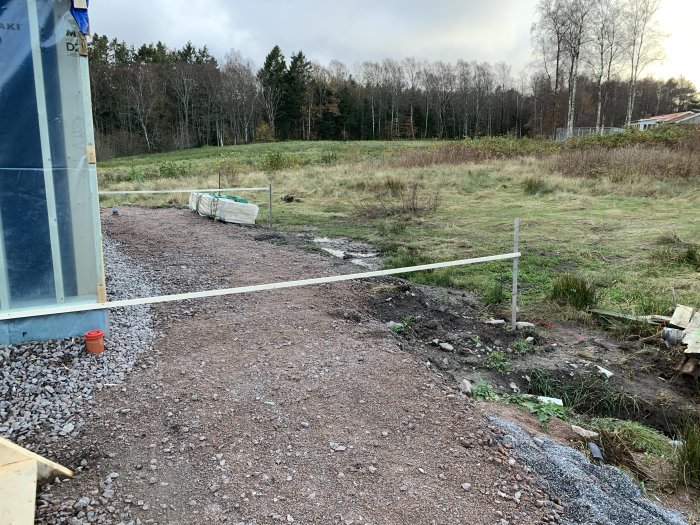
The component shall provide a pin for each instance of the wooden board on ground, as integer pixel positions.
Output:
(693, 325)
(20, 470)
(18, 486)
(681, 316)
(11, 453)
(692, 339)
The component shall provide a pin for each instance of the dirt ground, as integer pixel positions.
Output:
(293, 406)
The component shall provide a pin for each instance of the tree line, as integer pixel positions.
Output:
(154, 98)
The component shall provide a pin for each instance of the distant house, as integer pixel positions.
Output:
(682, 118)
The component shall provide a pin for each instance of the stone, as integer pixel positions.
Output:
(81, 503)
(496, 322)
(336, 447)
(585, 434)
(604, 372)
(466, 387)
(447, 347)
(522, 325)
(467, 487)
(394, 326)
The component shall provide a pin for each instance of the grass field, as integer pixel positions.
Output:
(631, 235)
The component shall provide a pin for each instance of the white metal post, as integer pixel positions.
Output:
(270, 201)
(514, 293)
(45, 149)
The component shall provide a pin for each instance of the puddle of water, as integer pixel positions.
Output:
(356, 252)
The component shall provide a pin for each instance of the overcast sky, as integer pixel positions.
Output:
(358, 30)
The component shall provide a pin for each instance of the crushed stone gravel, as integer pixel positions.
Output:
(591, 494)
(45, 386)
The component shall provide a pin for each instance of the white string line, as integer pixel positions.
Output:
(125, 192)
(53, 310)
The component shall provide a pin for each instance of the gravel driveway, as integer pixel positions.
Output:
(292, 406)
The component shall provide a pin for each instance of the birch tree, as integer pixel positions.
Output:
(642, 42)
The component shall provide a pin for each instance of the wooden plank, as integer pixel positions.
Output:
(689, 366)
(693, 325)
(18, 488)
(693, 341)
(46, 469)
(624, 317)
(681, 316)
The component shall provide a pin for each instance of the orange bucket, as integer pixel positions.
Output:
(95, 341)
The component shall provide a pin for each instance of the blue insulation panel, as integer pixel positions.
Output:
(50, 240)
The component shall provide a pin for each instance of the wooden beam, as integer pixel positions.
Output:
(46, 469)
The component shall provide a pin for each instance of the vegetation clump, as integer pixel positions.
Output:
(497, 361)
(588, 394)
(574, 290)
(688, 456)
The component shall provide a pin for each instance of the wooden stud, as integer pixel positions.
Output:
(91, 154)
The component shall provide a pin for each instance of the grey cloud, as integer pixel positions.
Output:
(347, 31)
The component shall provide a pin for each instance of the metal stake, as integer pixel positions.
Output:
(270, 210)
(514, 293)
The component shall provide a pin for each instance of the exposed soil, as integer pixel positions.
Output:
(279, 407)
(644, 374)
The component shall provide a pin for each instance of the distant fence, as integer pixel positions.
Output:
(562, 133)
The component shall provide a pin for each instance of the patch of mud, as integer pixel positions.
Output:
(356, 252)
(423, 317)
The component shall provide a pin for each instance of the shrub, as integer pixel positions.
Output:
(574, 290)
(173, 170)
(536, 186)
(329, 157)
(400, 199)
(264, 133)
(276, 160)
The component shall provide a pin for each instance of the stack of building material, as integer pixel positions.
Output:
(223, 207)
(688, 319)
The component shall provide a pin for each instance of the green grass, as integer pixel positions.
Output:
(497, 361)
(634, 435)
(688, 458)
(586, 394)
(574, 290)
(604, 228)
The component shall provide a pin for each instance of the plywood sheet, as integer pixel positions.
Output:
(18, 489)
(11, 453)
